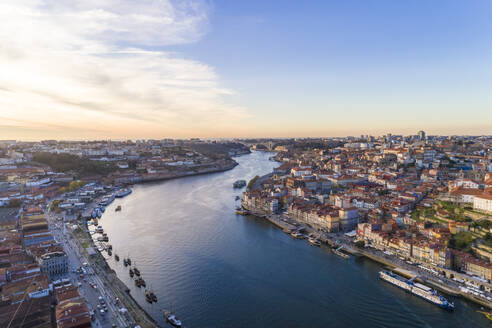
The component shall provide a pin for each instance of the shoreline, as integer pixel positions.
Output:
(361, 252)
(110, 277)
(119, 288)
(164, 177)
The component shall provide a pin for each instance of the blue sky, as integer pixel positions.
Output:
(198, 68)
(396, 64)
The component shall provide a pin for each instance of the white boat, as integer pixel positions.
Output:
(123, 192)
(172, 319)
(417, 289)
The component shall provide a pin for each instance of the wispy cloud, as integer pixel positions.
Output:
(88, 64)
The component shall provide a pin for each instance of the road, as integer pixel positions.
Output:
(91, 287)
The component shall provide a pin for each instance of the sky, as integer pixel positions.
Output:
(121, 69)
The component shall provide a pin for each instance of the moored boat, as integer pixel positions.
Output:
(314, 241)
(420, 290)
(118, 208)
(116, 257)
(172, 319)
(239, 183)
(297, 235)
(241, 211)
(122, 193)
(131, 272)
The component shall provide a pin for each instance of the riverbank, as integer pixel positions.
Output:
(156, 177)
(333, 240)
(112, 281)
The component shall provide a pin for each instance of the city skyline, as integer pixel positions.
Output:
(138, 70)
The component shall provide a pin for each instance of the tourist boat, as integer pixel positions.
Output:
(240, 211)
(297, 235)
(118, 208)
(423, 291)
(314, 241)
(150, 296)
(132, 273)
(123, 192)
(341, 254)
(239, 183)
(116, 257)
(139, 282)
(172, 319)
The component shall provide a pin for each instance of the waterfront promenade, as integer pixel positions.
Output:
(442, 283)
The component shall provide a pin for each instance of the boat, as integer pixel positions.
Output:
(239, 183)
(129, 261)
(150, 296)
(116, 257)
(297, 235)
(139, 282)
(137, 272)
(125, 262)
(341, 254)
(118, 208)
(240, 211)
(314, 241)
(488, 315)
(172, 319)
(132, 273)
(122, 193)
(420, 290)
(106, 200)
(110, 252)
(99, 229)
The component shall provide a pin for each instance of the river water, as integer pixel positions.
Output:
(217, 269)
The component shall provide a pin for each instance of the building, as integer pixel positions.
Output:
(54, 263)
(478, 268)
(483, 203)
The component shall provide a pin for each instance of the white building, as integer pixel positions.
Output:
(483, 203)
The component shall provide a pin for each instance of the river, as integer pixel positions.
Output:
(217, 269)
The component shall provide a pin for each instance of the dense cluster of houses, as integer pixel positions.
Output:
(390, 190)
(31, 262)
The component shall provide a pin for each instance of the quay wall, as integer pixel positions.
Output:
(441, 287)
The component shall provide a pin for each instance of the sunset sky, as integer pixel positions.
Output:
(156, 69)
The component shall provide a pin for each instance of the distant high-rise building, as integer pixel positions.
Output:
(421, 135)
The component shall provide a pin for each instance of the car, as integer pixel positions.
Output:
(102, 312)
